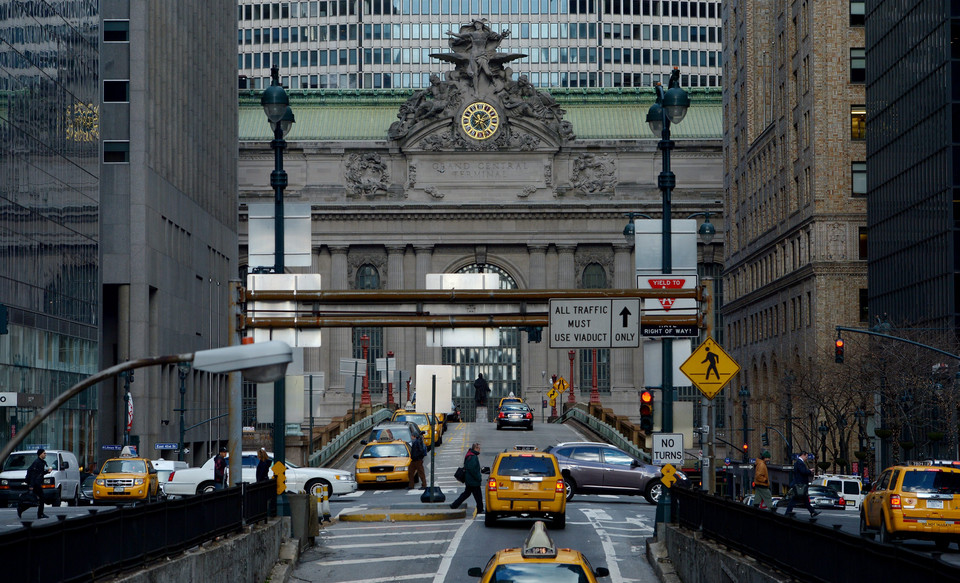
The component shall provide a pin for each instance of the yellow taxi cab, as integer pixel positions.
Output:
(526, 482)
(919, 501)
(423, 421)
(385, 461)
(539, 559)
(128, 478)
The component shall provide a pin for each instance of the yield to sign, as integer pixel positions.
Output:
(668, 282)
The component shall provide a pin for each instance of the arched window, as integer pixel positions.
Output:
(368, 277)
(594, 277)
(500, 365)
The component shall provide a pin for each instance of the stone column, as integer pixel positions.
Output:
(536, 360)
(338, 340)
(622, 359)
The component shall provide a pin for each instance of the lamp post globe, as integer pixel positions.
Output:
(274, 99)
(707, 231)
(655, 118)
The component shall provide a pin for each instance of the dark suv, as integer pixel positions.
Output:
(600, 468)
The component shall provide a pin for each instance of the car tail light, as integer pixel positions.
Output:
(895, 501)
(492, 485)
(501, 415)
(843, 502)
(529, 415)
(170, 477)
(560, 486)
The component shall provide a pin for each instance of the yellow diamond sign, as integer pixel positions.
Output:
(710, 368)
(668, 475)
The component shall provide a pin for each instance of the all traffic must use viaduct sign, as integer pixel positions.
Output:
(595, 323)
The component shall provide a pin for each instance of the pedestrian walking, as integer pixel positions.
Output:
(761, 483)
(263, 465)
(35, 473)
(481, 390)
(418, 451)
(220, 469)
(473, 479)
(799, 480)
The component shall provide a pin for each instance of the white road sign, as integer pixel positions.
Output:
(595, 323)
(668, 449)
(8, 399)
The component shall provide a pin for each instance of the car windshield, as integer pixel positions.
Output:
(535, 572)
(385, 450)
(515, 407)
(932, 481)
(516, 465)
(397, 433)
(18, 461)
(124, 467)
(823, 491)
(418, 418)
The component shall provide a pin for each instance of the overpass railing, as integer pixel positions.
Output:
(605, 430)
(347, 437)
(103, 543)
(806, 550)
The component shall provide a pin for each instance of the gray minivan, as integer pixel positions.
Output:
(61, 484)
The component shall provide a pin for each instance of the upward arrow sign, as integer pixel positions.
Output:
(625, 314)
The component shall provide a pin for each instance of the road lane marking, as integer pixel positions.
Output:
(451, 552)
(605, 542)
(377, 559)
(418, 576)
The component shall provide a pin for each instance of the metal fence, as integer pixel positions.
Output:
(604, 430)
(88, 547)
(803, 549)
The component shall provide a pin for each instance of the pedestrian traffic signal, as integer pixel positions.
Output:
(765, 438)
(646, 412)
(839, 350)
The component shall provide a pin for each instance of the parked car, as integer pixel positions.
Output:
(820, 497)
(515, 415)
(914, 501)
(848, 486)
(190, 481)
(62, 483)
(86, 490)
(600, 468)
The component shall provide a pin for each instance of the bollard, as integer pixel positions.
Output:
(325, 504)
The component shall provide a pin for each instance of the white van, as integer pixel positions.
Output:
(165, 468)
(849, 486)
(61, 484)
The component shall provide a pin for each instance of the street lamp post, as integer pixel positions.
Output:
(389, 384)
(276, 105)
(183, 369)
(823, 429)
(594, 389)
(671, 107)
(744, 397)
(571, 399)
(365, 393)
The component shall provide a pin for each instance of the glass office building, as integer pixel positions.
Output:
(49, 207)
(387, 44)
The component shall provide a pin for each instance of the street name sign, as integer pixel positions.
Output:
(709, 368)
(595, 323)
(667, 449)
(165, 446)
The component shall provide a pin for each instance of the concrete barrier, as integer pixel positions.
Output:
(693, 559)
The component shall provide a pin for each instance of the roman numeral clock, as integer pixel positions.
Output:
(480, 120)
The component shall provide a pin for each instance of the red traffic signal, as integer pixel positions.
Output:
(646, 411)
(838, 350)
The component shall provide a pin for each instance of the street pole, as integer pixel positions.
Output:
(389, 384)
(744, 395)
(571, 399)
(594, 390)
(365, 395)
(182, 369)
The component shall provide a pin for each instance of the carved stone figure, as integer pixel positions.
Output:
(593, 174)
(366, 174)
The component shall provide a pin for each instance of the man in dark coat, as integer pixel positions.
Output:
(418, 451)
(798, 484)
(471, 465)
(481, 389)
(220, 469)
(35, 473)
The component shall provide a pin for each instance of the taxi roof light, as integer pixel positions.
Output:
(128, 451)
(538, 543)
(525, 448)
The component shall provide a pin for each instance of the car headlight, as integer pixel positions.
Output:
(100, 482)
(339, 477)
(4, 482)
(401, 468)
(49, 481)
(363, 470)
(138, 482)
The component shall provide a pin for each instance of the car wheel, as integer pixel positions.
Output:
(559, 522)
(205, 488)
(654, 491)
(530, 427)
(440, 441)
(942, 543)
(489, 518)
(76, 498)
(499, 427)
(885, 536)
(315, 487)
(569, 487)
(58, 499)
(863, 524)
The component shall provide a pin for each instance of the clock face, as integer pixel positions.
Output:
(480, 120)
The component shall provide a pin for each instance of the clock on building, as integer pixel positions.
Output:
(480, 120)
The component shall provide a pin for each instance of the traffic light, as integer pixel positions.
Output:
(534, 333)
(646, 412)
(279, 472)
(839, 350)
(746, 452)
(765, 439)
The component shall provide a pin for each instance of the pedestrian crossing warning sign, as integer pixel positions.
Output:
(710, 368)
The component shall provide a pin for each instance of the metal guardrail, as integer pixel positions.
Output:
(805, 550)
(90, 547)
(333, 449)
(604, 430)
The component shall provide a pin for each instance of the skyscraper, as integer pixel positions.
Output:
(383, 44)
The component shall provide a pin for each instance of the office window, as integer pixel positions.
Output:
(864, 312)
(367, 277)
(117, 152)
(858, 170)
(858, 122)
(116, 91)
(116, 31)
(858, 64)
(856, 12)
